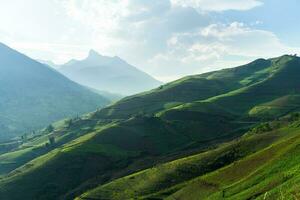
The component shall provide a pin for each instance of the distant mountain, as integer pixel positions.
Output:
(110, 74)
(108, 95)
(34, 95)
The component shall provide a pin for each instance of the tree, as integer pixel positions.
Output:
(294, 116)
(68, 122)
(24, 137)
(261, 128)
(51, 140)
(50, 128)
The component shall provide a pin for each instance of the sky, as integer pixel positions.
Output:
(166, 38)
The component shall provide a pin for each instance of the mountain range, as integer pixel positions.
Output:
(111, 74)
(34, 95)
(232, 133)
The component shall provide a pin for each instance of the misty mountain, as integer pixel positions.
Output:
(34, 95)
(110, 74)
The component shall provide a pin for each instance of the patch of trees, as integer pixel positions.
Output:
(261, 128)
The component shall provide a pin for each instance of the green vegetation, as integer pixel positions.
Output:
(43, 141)
(188, 89)
(199, 122)
(277, 107)
(206, 175)
(267, 174)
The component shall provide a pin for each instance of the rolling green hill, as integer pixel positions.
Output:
(185, 117)
(189, 89)
(245, 168)
(34, 95)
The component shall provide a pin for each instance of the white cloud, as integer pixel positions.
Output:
(101, 14)
(218, 46)
(244, 41)
(134, 29)
(218, 5)
(166, 38)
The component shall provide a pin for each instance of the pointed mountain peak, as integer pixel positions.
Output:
(93, 53)
(94, 56)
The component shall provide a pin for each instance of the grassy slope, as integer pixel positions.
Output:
(281, 79)
(268, 174)
(188, 89)
(47, 178)
(246, 155)
(36, 146)
(107, 155)
(277, 107)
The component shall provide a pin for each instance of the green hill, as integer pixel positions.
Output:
(184, 117)
(188, 89)
(245, 168)
(34, 95)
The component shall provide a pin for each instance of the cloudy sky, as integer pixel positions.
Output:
(166, 38)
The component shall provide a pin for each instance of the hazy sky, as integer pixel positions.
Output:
(166, 38)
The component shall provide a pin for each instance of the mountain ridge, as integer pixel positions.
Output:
(30, 92)
(111, 74)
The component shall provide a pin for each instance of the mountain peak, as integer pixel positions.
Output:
(93, 54)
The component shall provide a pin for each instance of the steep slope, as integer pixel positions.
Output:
(110, 74)
(283, 78)
(37, 143)
(105, 153)
(144, 130)
(254, 166)
(268, 174)
(33, 95)
(189, 89)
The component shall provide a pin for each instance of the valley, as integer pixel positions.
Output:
(164, 143)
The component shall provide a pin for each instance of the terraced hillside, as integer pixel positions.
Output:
(181, 118)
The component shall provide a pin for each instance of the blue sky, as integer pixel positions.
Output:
(166, 38)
